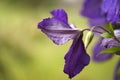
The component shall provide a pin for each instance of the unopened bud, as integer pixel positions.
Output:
(88, 38)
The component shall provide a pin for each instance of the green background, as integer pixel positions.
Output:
(27, 54)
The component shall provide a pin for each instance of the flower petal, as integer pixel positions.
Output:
(91, 7)
(106, 4)
(60, 14)
(100, 57)
(57, 31)
(98, 21)
(117, 71)
(111, 9)
(76, 58)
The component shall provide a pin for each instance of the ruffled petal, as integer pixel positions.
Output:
(56, 28)
(117, 71)
(57, 31)
(100, 57)
(60, 14)
(76, 58)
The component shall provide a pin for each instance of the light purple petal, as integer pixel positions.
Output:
(76, 58)
(60, 14)
(117, 71)
(100, 57)
(57, 30)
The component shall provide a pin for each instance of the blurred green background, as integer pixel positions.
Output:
(27, 54)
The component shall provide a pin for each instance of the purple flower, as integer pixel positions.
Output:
(117, 71)
(100, 12)
(59, 31)
(105, 43)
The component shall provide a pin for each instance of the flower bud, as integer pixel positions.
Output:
(88, 38)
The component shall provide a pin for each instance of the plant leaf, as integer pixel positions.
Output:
(106, 35)
(111, 29)
(111, 50)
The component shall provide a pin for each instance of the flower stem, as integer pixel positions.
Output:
(87, 29)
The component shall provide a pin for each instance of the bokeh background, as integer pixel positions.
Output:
(27, 54)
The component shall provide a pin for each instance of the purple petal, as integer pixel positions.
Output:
(100, 57)
(112, 12)
(91, 8)
(76, 58)
(106, 5)
(98, 21)
(101, 11)
(57, 30)
(117, 71)
(60, 14)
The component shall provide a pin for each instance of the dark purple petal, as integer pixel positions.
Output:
(76, 58)
(56, 28)
(60, 14)
(117, 71)
(100, 57)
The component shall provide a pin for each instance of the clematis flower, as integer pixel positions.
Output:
(105, 43)
(60, 32)
(117, 71)
(100, 12)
